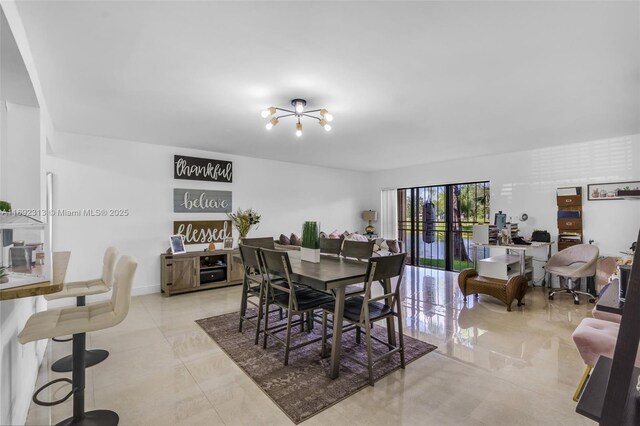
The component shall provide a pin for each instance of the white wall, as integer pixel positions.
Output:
(93, 172)
(20, 185)
(525, 182)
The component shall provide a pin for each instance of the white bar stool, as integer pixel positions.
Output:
(79, 290)
(78, 320)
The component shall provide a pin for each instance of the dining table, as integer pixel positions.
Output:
(332, 275)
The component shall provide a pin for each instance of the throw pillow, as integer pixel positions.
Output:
(323, 234)
(284, 240)
(394, 247)
(356, 237)
(334, 235)
(345, 234)
(383, 245)
(295, 240)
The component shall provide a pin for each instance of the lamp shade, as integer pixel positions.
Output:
(370, 215)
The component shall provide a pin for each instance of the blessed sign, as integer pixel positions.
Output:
(201, 201)
(194, 168)
(203, 231)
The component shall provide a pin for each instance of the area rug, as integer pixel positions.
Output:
(303, 388)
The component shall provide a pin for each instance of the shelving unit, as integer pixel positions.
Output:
(195, 271)
(569, 228)
(505, 266)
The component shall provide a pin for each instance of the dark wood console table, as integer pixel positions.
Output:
(609, 301)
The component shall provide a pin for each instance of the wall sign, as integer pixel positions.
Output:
(203, 231)
(194, 168)
(201, 201)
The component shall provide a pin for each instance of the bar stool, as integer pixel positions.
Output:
(79, 290)
(79, 320)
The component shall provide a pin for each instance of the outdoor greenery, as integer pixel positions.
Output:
(310, 235)
(3, 271)
(243, 220)
(5, 206)
(458, 265)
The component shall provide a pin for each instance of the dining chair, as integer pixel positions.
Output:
(330, 246)
(262, 242)
(253, 287)
(361, 250)
(363, 311)
(295, 299)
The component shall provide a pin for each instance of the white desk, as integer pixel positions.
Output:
(520, 249)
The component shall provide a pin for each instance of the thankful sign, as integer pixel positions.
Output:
(201, 201)
(194, 168)
(203, 231)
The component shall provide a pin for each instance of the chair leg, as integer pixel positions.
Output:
(260, 313)
(281, 316)
(323, 349)
(582, 383)
(266, 325)
(243, 303)
(309, 321)
(287, 341)
(303, 319)
(367, 329)
(358, 335)
(400, 335)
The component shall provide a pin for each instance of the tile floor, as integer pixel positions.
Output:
(491, 367)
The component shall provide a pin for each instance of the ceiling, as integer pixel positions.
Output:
(408, 82)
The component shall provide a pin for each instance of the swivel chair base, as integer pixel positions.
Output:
(94, 418)
(91, 358)
(574, 293)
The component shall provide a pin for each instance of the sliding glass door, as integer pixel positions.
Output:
(436, 222)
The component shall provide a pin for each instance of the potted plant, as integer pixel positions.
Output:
(3, 275)
(6, 235)
(244, 220)
(310, 249)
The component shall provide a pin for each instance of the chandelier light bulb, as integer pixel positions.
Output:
(327, 127)
(299, 107)
(272, 123)
(324, 124)
(298, 129)
(267, 112)
(326, 115)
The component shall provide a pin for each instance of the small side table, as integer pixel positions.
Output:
(609, 301)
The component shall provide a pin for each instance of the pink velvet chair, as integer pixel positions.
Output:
(593, 338)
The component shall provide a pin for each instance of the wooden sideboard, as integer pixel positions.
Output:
(182, 273)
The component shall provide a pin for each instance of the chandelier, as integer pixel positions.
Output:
(322, 115)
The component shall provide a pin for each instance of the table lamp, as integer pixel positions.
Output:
(370, 215)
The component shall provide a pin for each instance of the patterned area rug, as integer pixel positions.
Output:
(303, 388)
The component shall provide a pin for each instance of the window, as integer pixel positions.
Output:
(436, 223)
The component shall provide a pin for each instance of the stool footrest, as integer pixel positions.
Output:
(56, 339)
(51, 404)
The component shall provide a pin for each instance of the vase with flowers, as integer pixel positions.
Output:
(244, 220)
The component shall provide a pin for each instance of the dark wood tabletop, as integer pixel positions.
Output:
(609, 301)
(592, 399)
(330, 273)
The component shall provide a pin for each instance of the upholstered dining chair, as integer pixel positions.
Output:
(573, 263)
(330, 246)
(361, 250)
(363, 311)
(253, 287)
(261, 242)
(80, 290)
(77, 321)
(295, 299)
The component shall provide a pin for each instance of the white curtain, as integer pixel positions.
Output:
(389, 214)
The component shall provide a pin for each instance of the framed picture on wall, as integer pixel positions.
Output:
(177, 244)
(612, 190)
(228, 243)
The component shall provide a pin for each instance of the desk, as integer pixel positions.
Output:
(520, 248)
(592, 399)
(609, 301)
